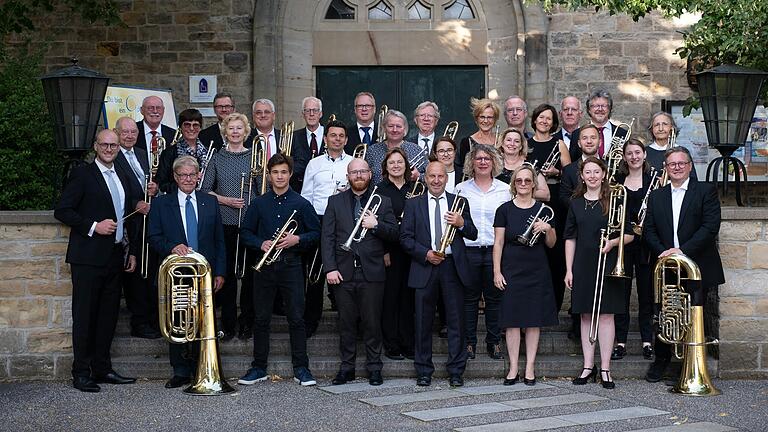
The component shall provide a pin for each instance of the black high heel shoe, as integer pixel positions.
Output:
(607, 383)
(583, 380)
(529, 382)
(512, 381)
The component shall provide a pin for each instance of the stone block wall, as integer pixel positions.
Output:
(35, 297)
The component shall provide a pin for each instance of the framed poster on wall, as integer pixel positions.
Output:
(126, 101)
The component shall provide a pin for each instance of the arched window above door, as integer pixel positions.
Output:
(339, 9)
(380, 11)
(459, 9)
(419, 11)
(414, 11)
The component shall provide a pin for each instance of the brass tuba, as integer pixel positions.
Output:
(449, 233)
(273, 253)
(186, 313)
(682, 324)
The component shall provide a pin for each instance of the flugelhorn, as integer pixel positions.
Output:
(451, 129)
(286, 138)
(358, 232)
(381, 131)
(273, 253)
(186, 314)
(449, 233)
(529, 237)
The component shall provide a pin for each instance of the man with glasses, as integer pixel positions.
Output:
(264, 122)
(426, 116)
(223, 106)
(357, 276)
(570, 117)
(365, 128)
(93, 204)
(307, 141)
(599, 108)
(683, 217)
(150, 127)
(515, 113)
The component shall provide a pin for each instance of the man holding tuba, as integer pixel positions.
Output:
(180, 223)
(683, 217)
(356, 225)
(280, 225)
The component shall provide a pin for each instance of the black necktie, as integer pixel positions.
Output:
(358, 207)
(367, 135)
(313, 145)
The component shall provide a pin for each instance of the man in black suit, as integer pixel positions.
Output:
(357, 276)
(516, 113)
(223, 106)
(93, 204)
(599, 108)
(140, 295)
(421, 233)
(570, 117)
(425, 116)
(307, 141)
(264, 115)
(569, 178)
(179, 223)
(365, 128)
(150, 128)
(683, 217)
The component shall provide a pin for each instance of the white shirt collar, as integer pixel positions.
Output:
(683, 186)
(103, 168)
(147, 128)
(183, 197)
(443, 195)
(359, 126)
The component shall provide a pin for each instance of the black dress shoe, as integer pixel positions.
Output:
(605, 379)
(409, 355)
(394, 355)
(177, 381)
(471, 352)
(85, 384)
(424, 381)
(494, 351)
(344, 377)
(443, 333)
(456, 380)
(511, 381)
(529, 382)
(246, 331)
(113, 378)
(619, 352)
(145, 331)
(375, 379)
(227, 335)
(656, 370)
(648, 352)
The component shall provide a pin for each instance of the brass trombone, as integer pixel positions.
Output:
(449, 233)
(273, 254)
(451, 129)
(358, 232)
(208, 156)
(286, 138)
(154, 164)
(240, 263)
(259, 164)
(381, 131)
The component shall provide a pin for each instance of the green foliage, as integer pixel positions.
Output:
(17, 16)
(30, 164)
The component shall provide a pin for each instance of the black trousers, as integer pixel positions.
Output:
(481, 261)
(397, 317)
(556, 254)
(663, 351)
(95, 305)
(445, 279)
(359, 301)
(183, 358)
(140, 294)
(287, 278)
(313, 309)
(641, 271)
(226, 298)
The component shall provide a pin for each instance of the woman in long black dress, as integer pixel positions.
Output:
(587, 216)
(528, 301)
(486, 114)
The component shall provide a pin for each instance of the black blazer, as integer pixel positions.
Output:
(697, 228)
(137, 191)
(575, 150)
(353, 136)
(254, 132)
(569, 179)
(416, 240)
(212, 133)
(85, 200)
(165, 131)
(302, 154)
(166, 229)
(338, 223)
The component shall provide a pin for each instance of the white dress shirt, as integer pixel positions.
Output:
(678, 194)
(430, 144)
(483, 207)
(566, 138)
(362, 134)
(120, 191)
(182, 197)
(322, 177)
(443, 210)
(318, 136)
(451, 185)
(133, 162)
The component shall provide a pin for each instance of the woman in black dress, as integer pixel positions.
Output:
(587, 216)
(513, 148)
(397, 313)
(486, 114)
(528, 301)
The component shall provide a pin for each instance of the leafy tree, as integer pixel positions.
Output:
(17, 16)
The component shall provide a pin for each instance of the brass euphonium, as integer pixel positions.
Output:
(286, 138)
(185, 305)
(451, 129)
(682, 324)
(449, 233)
(528, 237)
(381, 131)
(273, 253)
(358, 232)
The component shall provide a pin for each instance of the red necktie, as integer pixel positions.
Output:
(313, 145)
(601, 149)
(153, 143)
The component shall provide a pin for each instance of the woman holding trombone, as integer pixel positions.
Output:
(592, 235)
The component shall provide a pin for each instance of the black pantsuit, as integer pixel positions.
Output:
(481, 261)
(397, 317)
(636, 266)
(360, 301)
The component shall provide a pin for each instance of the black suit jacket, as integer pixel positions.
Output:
(338, 223)
(254, 132)
(212, 133)
(166, 229)
(575, 150)
(302, 154)
(353, 136)
(137, 191)
(85, 200)
(569, 179)
(416, 240)
(165, 131)
(697, 228)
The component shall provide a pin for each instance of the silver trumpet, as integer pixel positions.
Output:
(358, 232)
(552, 159)
(273, 253)
(528, 237)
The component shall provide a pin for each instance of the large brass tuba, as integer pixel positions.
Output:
(185, 304)
(682, 324)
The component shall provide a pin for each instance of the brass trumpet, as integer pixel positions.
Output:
(272, 254)
(417, 190)
(449, 233)
(381, 131)
(451, 129)
(286, 138)
(419, 160)
(358, 232)
(528, 237)
(186, 314)
(552, 159)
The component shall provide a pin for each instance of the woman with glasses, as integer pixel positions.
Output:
(514, 149)
(444, 151)
(396, 126)
(661, 128)
(486, 114)
(398, 309)
(189, 144)
(528, 300)
(485, 194)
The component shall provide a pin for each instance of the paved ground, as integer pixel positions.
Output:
(399, 405)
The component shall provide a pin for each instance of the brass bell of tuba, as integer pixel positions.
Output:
(185, 305)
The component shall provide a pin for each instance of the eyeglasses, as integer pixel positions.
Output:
(364, 106)
(261, 113)
(444, 151)
(110, 146)
(570, 110)
(224, 107)
(482, 159)
(426, 116)
(486, 118)
(515, 110)
(191, 125)
(360, 172)
(154, 108)
(599, 106)
(520, 181)
(311, 110)
(675, 165)
(185, 176)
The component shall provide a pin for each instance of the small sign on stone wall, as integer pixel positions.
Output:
(202, 88)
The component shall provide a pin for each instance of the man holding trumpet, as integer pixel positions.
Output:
(283, 216)
(356, 226)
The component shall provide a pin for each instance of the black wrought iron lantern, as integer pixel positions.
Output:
(729, 95)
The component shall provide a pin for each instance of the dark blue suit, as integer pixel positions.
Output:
(449, 277)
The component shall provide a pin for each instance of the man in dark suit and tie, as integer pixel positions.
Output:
(93, 204)
(357, 275)
(223, 106)
(570, 117)
(264, 115)
(140, 295)
(599, 107)
(308, 141)
(683, 217)
(425, 220)
(365, 128)
(179, 223)
(150, 128)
